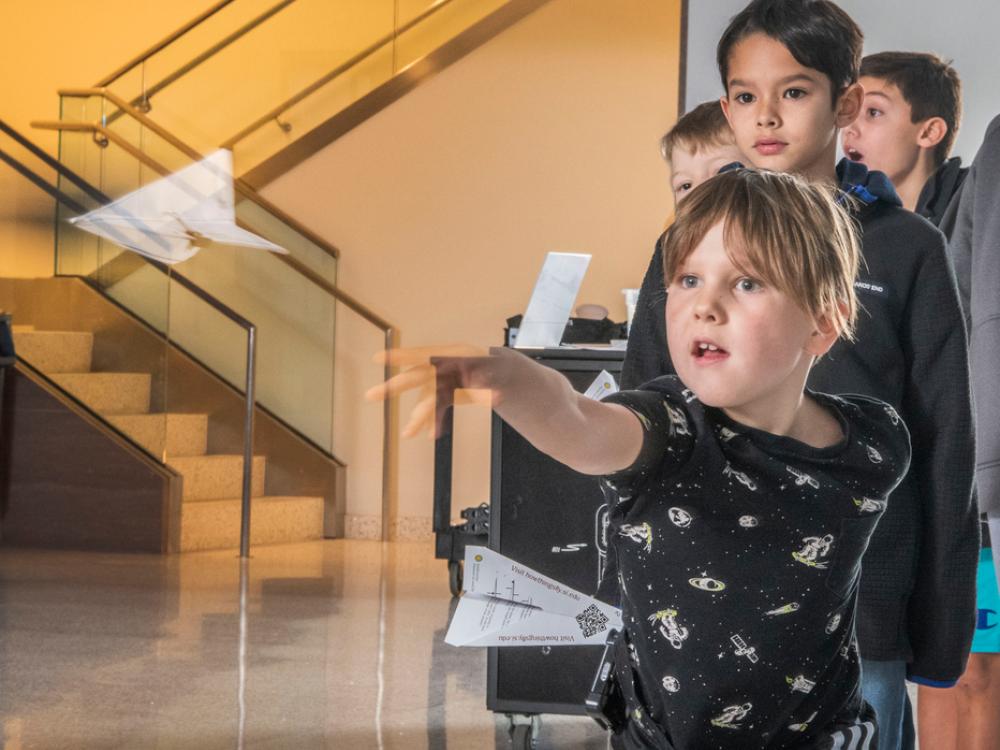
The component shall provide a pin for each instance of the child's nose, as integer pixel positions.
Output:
(767, 116)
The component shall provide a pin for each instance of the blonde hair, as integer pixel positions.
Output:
(702, 128)
(793, 234)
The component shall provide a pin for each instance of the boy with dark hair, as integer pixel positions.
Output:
(907, 126)
(745, 501)
(789, 69)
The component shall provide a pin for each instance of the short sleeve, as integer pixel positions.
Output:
(669, 430)
(883, 437)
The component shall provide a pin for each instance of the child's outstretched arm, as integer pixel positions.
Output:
(586, 435)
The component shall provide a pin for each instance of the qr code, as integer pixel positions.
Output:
(592, 621)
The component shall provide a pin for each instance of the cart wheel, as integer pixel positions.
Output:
(520, 737)
(455, 577)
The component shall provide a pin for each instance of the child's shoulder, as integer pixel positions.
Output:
(875, 426)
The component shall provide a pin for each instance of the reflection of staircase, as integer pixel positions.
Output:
(210, 508)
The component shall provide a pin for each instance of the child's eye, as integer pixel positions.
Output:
(795, 93)
(744, 98)
(687, 281)
(683, 187)
(873, 113)
(749, 285)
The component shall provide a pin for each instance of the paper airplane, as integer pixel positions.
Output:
(171, 219)
(505, 603)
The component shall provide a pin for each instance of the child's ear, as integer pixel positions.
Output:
(932, 132)
(824, 335)
(848, 105)
(724, 103)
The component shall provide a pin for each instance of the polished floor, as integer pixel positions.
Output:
(338, 644)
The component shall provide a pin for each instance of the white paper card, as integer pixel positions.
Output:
(171, 219)
(552, 300)
(602, 387)
(507, 604)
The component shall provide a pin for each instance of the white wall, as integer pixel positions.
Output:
(961, 30)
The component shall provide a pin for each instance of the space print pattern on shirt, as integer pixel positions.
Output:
(739, 557)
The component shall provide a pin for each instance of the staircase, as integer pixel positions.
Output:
(210, 507)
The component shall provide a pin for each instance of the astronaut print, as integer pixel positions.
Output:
(669, 628)
(867, 505)
(729, 607)
(814, 551)
(642, 533)
(731, 716)
(678, 422)
(740, 477)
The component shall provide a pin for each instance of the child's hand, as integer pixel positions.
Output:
(437, 372)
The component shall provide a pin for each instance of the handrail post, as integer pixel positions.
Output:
(248, 424)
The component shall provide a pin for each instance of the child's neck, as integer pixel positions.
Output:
(910, 184)
(799, 417)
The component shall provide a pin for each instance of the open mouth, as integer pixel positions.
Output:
(853, 154)
(707, 351)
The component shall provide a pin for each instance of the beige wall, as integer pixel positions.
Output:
(445, 203)
(50, 44)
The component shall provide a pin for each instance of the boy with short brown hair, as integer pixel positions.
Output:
(907, 126)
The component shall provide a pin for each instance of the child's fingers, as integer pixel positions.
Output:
(421, 418)
(421, 355)
(415, 377)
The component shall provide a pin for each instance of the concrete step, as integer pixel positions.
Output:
(215, 524)
(173, 434)
(218, 476)
(55, 351)
(108, 392)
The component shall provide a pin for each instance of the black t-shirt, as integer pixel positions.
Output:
(738, 555)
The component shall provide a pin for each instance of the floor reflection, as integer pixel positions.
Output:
(341, 647)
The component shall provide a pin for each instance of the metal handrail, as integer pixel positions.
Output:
(143, 98)
(241, 187)
(166, 41)
(196, 290)
(390, 333)
(339, 70)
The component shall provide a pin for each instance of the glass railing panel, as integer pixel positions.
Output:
(118, 167)
(359, 430)
(294, 316)
(244, 80)
(421, 27)
(133, 84)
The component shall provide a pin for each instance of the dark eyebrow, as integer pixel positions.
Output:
(782, 82)
(878, 93)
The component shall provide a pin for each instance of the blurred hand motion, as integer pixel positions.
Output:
(436, 372)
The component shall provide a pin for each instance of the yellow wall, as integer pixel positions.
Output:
(445, 203)
(50, 44)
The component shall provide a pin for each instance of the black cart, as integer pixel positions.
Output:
(553, 520)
